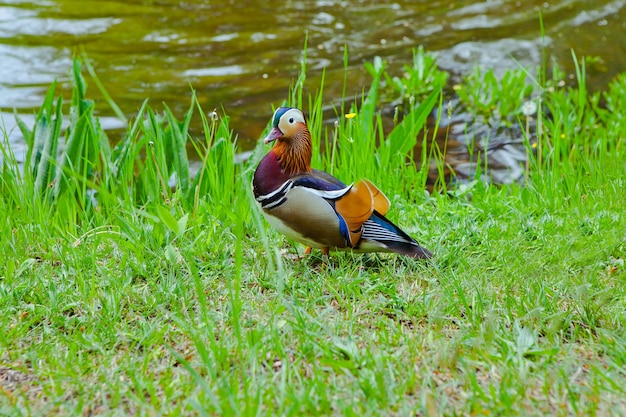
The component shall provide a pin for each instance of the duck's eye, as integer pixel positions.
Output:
(291, 120)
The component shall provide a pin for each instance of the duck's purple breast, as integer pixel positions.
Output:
(269, 175)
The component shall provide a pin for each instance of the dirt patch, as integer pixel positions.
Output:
(18, 383)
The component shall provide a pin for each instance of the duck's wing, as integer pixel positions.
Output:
(381, 202)
(353, 204)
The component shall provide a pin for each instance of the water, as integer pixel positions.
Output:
(242, 56)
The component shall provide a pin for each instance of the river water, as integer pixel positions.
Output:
(242, 56)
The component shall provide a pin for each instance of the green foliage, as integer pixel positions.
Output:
(497, 101)
(615, 103)
(55, 173)
(419, 80)
(359, 147)
(43, 141)
(138, 170)
(580, 136)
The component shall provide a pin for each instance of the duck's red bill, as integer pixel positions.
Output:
(274, 134)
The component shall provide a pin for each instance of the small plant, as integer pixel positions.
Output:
(573, 126)
(150, 165)
(68, 168)
(359, 147)
(497, 101)
(615, 104)
(419, 80)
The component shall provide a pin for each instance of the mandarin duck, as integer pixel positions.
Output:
(316, 209)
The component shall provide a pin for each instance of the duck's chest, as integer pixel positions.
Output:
(269, 176)
(305, 217)
(296, 212)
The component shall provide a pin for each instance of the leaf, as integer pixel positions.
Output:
(82, 149)
(39, 133)
(525, 340)
(78, 92)
(127, 150)
(167, 218)
(49, 138)
(27, 134)
(172, 254)
(368, 108)
(178, 147)
(404, 136)
(116, 109)
(182, 224)
(77, 158)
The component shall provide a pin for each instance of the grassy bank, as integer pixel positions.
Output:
(129, 285)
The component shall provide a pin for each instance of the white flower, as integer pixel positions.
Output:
(529, 108)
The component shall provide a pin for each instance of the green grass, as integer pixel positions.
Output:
(121, 293)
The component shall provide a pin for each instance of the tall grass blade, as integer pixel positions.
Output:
(176, 147)
(46, 141)
(403, 137)
(94, 76)
(80, 158)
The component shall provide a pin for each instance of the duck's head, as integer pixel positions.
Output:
(288, 125)
(293, 147)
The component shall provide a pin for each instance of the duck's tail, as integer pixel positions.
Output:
(381, 232)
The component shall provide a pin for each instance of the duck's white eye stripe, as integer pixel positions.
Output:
(293, 116)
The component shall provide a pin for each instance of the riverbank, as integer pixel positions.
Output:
(129, 286)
